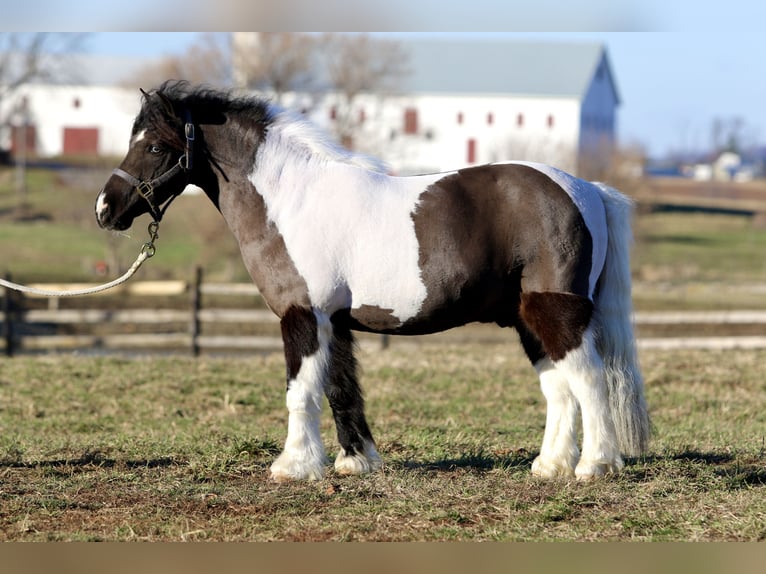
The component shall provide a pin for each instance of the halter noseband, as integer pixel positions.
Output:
(146, 188)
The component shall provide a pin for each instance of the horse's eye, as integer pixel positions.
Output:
(155, 149)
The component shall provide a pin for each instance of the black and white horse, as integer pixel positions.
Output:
(335, 245)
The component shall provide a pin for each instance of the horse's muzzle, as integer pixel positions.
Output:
(106, 219)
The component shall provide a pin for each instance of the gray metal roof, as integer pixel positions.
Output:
(437, 65)
(561, 69)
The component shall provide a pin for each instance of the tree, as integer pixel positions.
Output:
(359, 65)
(294, 69)
(276, 62)
(25, 58)
(30, 57)
(204, 62)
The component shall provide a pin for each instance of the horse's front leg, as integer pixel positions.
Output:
(357, 448)
(306, 337)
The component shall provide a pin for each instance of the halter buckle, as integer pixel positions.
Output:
(146, 190)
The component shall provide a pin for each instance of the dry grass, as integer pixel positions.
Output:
(178, 449)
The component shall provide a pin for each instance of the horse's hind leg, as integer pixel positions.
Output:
(559, 453)
(571, 374)
(584, 369)
(306, 337)
(357, 448)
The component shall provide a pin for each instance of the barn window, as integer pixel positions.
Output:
(333, 113)
(460, 118)
(362, 116)
(76, 103)
(490, 118)
(410, 121)
(471, 156)
(520, 120)
(550, 120)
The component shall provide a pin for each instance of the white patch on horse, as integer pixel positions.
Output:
(138, 137)
(101, 205)
(304, 455)
(587, 198)
(359, 463)
(559, 453)
(348, 230)
(583, 368)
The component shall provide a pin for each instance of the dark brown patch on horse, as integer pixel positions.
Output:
(558, 320)
(263, 248)
(488, 233)
(369, 318)
(300, 336)
(343, 391)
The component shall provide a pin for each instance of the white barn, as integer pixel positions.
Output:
(73, 121)
(475, 101)
(465, 102)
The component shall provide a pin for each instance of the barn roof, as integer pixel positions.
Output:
(442, 65)
(559, 69)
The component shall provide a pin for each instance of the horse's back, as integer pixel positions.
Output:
(500, 217)
(486, 233)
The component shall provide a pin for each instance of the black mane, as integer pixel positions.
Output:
(166, 109)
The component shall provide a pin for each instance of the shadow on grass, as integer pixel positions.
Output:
(521, 460)
(91, 459)
(681, 240)
(738, 472)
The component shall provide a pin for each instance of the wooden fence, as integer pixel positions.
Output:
(204, 317)
(38, 324)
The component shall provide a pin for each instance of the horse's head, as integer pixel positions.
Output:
(157, 167)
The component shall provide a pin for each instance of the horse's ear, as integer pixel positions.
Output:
(166, 103)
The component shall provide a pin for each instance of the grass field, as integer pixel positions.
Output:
(177, 449)
(170, 448)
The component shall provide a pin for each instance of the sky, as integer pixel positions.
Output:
(673, 85)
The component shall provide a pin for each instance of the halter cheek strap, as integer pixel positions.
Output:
(146, 188)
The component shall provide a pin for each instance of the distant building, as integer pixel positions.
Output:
(465, 102)
(475, 101)
(73, 121)
(84, 112)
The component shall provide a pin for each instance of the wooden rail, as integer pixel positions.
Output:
(32, 325)
(29, 328)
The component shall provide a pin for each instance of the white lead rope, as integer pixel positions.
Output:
(147, 251)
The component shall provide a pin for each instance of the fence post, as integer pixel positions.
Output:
(196, 304)
(8, 318)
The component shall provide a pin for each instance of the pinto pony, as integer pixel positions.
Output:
(336, 245)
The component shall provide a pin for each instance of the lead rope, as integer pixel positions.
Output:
(147, 250)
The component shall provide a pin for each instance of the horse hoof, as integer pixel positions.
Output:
(593, 470)
(550, 470)
(287, 470)
(359, 463)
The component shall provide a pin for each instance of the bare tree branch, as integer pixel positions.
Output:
(204, 62)
(360, 65)
(28, 57)
(277, 62)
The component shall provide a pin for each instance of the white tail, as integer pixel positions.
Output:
(614, 328)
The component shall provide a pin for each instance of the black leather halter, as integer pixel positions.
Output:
(146, 188)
